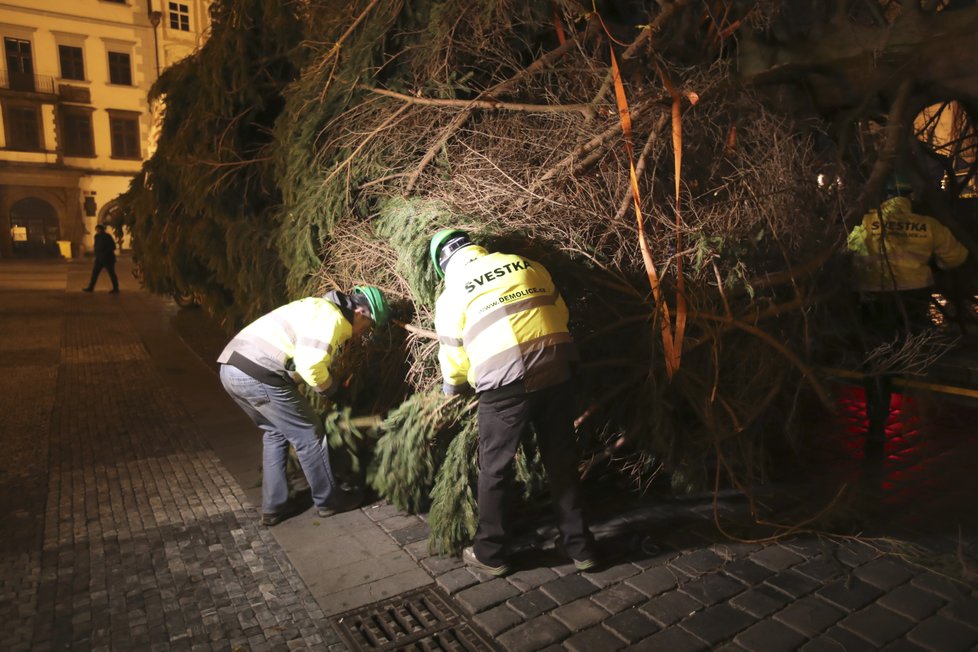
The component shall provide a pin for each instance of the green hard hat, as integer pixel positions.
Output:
(445, 243)
(897, 185)
(379, 310)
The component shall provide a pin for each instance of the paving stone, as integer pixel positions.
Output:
(531, 578)
(456, 580)
(849, 595)
(714, 588)
(419, 551)
(823, 569)
(579, 614)
(792, 583)
(877, 624)
(674, 639)
(809, 615)
(613, 574)
(883, 573)
(683, 539)
(911, 601)
(654, 581)
(902, 645)
(487, 594)
(747, 571)
(570, 588)
(965, 611)
(497, 620)
(533, 635)
(854, 553)
(734, 550)
(632, 626)
(843, 639)
(769, 636)
(399, 522)
(775, 557)
(381, 511)
(729, 647)
(441, 565)
(413, 534)
(938, 585)
(943, 635)
(826, 643)
(618, 598)
(717, 623)
(810, 547)
(593, 639)
(697, 562)
(651, 553)
(671, 607)
(760, 601)
(532, 603)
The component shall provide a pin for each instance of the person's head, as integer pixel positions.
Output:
(897, 185)
(445, 244)
(100, 228)
(370, 310)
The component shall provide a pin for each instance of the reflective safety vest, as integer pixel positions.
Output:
(893, 253)
(292, 343)
(501, 320)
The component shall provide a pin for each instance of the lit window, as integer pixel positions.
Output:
(120, 70)
(124, 133)
(179, 16)
(77, 132)
(72, 63)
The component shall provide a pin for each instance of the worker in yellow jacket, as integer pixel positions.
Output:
(892, 249)
(261, 369)
(502, 332)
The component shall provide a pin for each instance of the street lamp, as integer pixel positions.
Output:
(154, 19)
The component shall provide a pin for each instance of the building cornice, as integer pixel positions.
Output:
(140, 20)
(11, 168)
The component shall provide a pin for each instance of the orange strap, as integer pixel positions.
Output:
(561, 38)
(669, 340)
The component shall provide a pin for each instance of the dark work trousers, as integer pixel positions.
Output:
(886, 317)
(505, 417)
(109, 266)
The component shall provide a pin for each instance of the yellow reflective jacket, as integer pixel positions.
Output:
(893, 253)
(501, 320)
(291, 343)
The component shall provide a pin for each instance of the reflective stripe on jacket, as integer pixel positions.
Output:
(501, 320)
(296, 341)
(893, 253)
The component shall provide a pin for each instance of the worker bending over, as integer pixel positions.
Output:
(502, 331)
(261, 368)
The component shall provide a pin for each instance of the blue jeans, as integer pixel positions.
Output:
(285, 417)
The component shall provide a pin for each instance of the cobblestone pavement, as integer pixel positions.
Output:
(122, 530)
(128, 531)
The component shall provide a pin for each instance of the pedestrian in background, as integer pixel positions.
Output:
(502, 331)
(104, 259)
(261, 368)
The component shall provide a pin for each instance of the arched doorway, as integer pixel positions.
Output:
(34, 228)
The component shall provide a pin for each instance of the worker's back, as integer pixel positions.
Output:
(893, 252)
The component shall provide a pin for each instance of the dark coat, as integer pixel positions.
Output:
(104, 248)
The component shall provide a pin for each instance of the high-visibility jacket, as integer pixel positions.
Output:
(893, 253)
(501, 320)
(292, 343)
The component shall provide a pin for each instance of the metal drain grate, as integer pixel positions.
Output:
(421, 620)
